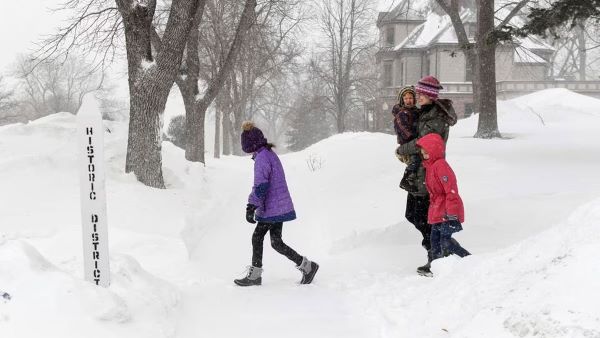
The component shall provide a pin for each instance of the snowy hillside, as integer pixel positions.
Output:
(532, 205)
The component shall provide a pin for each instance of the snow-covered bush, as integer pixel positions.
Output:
(176, 131)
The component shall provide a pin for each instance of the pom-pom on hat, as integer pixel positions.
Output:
(429, 86)
(252, 137)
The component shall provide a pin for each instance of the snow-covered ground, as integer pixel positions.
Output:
(532, 205)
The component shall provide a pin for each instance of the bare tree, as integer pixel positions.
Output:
(346, 26)
(268, 56)
(93, 28)
(268, 49)
(454, 8)
(573, 27)
(7, 104)
(365, 89)
(187, 80)
(273, 105)
(483, 56)
(53, 86)
(570, 58)
(98, 26)
(5, 96)
(151, 74)
(486, 70)
(307, 121)
(214, 38)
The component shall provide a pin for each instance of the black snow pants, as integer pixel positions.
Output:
(276, 242)
(416, 213)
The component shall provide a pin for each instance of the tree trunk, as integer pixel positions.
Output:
(227, 133)
(195, 126)
(475, 80)
(144, 140)
(236, 133)
(486, 51)
(150, 81)
(341, 126)
(236, 123)
(469, 50)
(194, 131)
(194, 118)
(581, 50)
(218, 124)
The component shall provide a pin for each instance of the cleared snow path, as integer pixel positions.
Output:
(219, 246)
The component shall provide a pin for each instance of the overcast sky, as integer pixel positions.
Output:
(21, 24)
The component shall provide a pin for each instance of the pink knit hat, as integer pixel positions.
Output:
(429, 86)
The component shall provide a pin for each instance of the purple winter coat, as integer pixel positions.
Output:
(270, 193)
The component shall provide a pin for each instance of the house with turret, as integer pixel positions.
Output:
(414, 43)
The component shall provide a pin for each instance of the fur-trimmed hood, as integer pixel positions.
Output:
(446, 106)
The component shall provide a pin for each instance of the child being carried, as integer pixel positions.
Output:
(405, 117)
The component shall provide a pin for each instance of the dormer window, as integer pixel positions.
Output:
(390, 35)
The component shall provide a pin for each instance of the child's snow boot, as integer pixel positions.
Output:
(253, 277)
(309, 269)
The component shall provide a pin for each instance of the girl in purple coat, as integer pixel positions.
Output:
(270, 204)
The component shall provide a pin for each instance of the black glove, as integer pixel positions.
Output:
(250, 208)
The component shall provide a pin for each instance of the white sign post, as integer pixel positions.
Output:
(93, 195)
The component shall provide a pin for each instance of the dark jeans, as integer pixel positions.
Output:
(416, 213)
(276, 242)
(442, 243)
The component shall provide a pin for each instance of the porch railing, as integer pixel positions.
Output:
(590, 86)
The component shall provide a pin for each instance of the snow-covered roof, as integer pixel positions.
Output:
(524, 55)
(533, 42)
(530, 42)
(431, 29)
(406, 10)
(449, 34)
(436, 29)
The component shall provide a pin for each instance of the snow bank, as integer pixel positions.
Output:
(532, 217)
(544, 286)
(47, 301)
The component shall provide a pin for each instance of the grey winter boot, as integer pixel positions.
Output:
(308, 269)
(253, 277)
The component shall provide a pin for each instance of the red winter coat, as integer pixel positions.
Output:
(440, 181)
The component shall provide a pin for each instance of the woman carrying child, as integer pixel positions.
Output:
(435, 116)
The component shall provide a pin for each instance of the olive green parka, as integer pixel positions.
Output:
(435, 118)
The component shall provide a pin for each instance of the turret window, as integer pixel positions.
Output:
(390, 35)
(388, 76)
